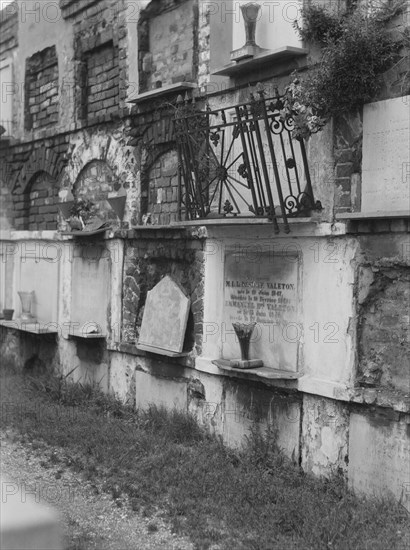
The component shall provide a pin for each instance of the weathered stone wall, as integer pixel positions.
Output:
(41, 89)
(168, 50)
(94, 183)
(384, 306)
(148, 259)
(33, 354)
(42, 209)
(171, 46)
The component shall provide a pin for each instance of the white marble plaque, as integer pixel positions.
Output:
(90, 293)
(165, 319)
(40, 276)
(265, 292)
(386, 155)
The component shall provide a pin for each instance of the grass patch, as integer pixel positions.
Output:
(251, 499)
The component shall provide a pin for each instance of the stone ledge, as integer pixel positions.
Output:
(381, 214)
(178, 87)
(266, 375)
(23, 235)
(176, 231)
(286, 53)
(382, 397)
(383, 221)
(33, 328)
(185, 359)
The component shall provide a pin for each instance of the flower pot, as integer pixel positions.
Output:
(8, 314)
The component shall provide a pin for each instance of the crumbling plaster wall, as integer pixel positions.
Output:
(384, 308)
(147, 261)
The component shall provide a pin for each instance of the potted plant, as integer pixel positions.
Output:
(80, 212)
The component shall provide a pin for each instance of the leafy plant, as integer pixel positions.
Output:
(301, 108)
(82, 208)
(357, 48)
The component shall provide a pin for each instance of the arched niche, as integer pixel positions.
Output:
(95, 156)
(96, 182)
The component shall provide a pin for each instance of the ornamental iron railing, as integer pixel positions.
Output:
(242, 161)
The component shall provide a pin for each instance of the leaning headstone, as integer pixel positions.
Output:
(165, 319)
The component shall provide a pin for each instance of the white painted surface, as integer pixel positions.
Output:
(324, 435)
(274, 24)
(38, 271)
(90, 290)
(326, 328)
(386, 155)
(160, 391)
(264, 290)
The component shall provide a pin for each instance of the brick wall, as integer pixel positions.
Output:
(101, 71)
(8, 28)
(348, 137)
(69, 8)
(41, 90)
(21, 164)
(42, 197)
(168, 38)
(163, 189)
(94, 182)
(102, 79)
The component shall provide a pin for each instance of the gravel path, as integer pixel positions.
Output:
(90, 518)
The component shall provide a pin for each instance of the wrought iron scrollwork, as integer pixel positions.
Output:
(242, 161)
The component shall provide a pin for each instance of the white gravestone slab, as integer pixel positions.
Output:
(90, 294)
(165, 319)
(39, 275)
(265, 292)
(386, 155)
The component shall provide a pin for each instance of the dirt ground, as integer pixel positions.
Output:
(90, 518)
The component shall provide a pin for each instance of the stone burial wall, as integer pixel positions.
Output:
(149, 256)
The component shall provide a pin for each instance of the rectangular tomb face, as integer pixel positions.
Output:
(265, 291)
(386, 155)
(37, 274)
(90, 290)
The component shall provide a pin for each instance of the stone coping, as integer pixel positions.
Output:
(33, 328)
(285, 53)
(382, 214)
(184, 359)
(178, 87)
(201, 229)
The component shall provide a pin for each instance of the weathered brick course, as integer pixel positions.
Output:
(42, 89)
